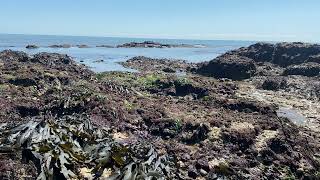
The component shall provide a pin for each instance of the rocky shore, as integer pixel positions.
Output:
(145, 44)
(151, 44)
(252, 113)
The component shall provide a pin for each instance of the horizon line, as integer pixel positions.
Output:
(124, 36)
(141, 37)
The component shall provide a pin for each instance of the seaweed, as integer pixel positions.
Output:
(59, 148)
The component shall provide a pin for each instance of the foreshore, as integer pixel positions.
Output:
(251, 113)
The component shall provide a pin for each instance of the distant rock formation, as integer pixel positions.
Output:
(32, 46)
(105, 46)
(83, 46)
(151, 44)
(60, 46)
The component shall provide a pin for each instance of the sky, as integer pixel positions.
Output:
(265, 20)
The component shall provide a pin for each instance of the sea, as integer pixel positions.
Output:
(101, 59)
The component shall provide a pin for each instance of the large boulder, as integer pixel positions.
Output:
(229, 66)
(309, 69)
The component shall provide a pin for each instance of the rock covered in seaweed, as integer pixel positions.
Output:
(309, 69)
(274, 83)
(282, 54)
(9, 55)
(229, 66)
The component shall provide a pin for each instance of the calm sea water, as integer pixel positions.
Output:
(112, 56)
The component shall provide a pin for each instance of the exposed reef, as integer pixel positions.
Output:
(239, 116)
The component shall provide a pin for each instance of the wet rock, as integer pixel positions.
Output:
(151, 44)
(32, 46)
(83, 46)
(60, 46)
(98, 61)
(105, 46)
(229, 66)
(309, 69)
(26, 82)
(274, 83)
(9, 55)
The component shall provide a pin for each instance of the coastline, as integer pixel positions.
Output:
(196, 121)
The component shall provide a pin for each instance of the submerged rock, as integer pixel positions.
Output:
(105, 46)
(229, 66)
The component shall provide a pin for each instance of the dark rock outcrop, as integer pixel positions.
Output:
(9, 55)
(314, 58)
(259, 52)
(151, 44)
(294, 53)
(282, 54)
(229, 66)
(51, 58)
(145, 64)
(83, 46)
(32, 46)
(60, 46)
(306, 69)
(145, 44)
(105, 46)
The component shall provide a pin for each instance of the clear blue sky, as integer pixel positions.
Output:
(280, 20)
